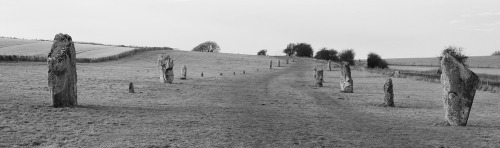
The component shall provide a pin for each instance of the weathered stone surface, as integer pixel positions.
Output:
(319, 78)
(389, 93)
(346, 83)
(271, 64)
(184, 72)
(166, 66)
(459, 87)
(396, 74)
(131, 88)
(62, 75)
(329, 65)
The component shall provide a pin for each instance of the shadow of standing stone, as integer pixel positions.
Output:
(459, 87)
(166, 66)
(389, 93)
(346, 83)
(62, 75)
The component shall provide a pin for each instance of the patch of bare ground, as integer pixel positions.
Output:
(265, 108)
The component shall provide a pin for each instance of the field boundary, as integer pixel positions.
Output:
(39, 58)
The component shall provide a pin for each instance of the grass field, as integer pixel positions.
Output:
(10, 46)
(472, 61)
(276, 107)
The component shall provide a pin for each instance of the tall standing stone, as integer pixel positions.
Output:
(271, 64)
(319, 78)
(62, 76)
(346, 83)
(459, 87)
(389, 93)
(184, 72)
(166, 66)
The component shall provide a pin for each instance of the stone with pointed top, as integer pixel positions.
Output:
(389, 93)
(459, 88)
(346, 83)
(166, 66)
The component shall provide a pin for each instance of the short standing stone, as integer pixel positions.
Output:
(244, 71)
(396, 74)
(131, 88)
(329, 65)
(287, 61)
(279, 64)
(459, 87)
(201, 74)
(271, 64)
(184, 72)
(319, 78)
(166, 66)
(389, 93)
(234, 73)
(346, 83)
(62, 76)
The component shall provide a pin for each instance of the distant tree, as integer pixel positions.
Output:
(347, 55)
(289, 50)
(455, 52)
(327, 54)
(496, 53)
(303, 50)
(208, 46)
(262, 52)
(375, 61)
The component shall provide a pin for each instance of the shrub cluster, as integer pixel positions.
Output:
(455, 52)
(347, 55)
(327, 54)
(375, 61)
(208, 46)
(262, 52)
(496, 53)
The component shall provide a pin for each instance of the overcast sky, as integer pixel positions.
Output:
(391, 28)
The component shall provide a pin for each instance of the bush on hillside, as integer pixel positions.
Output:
(262, 52)
(375, 61)
(303, 50)
(289, 50)
(455, 52)
(347, 55)
(327, 54)
(496, 53)
(208, 46)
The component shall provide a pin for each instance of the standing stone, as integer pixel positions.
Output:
(346, 83)
(166, 66)
(319, 78)
(459, 87)
(62, 76)
(314, 74)
(131, 88)
(201, 74)
(184, 72)
(279, 65)
(396, 74)
(287, 61)
(244, 71)
(293, 60)
(271, 64)
(234, 73)
(329, 65)
(389, 93)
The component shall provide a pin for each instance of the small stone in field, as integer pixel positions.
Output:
(131, 88)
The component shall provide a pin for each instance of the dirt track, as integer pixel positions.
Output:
(278, 108)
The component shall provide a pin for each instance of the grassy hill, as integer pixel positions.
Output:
(472, 61)
(33, 50)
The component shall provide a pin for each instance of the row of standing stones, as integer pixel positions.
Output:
(459, 82)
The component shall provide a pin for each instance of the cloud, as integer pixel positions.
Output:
(489, 14)
(455, 21)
